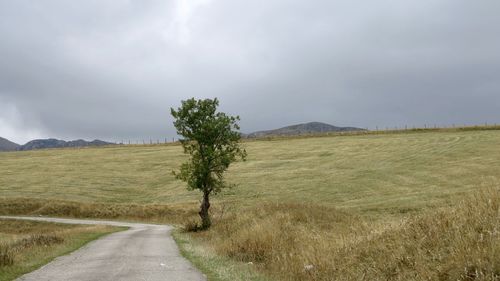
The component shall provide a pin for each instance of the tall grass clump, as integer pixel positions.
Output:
(9, 251)
(308, 242)
(6, 255)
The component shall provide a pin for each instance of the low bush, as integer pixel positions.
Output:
(192, 226)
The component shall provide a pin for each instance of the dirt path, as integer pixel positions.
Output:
(143, 252)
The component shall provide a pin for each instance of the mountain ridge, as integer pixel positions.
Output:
(56, 143)
(7, 145)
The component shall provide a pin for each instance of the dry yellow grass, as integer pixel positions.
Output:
(174, 213)
(306, 242)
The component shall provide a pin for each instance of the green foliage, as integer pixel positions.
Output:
(211, 138)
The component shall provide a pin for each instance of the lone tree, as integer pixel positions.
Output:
(211, 138)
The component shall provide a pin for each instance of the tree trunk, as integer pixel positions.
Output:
(205, 216)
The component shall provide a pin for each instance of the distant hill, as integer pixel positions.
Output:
(55, 143)
(7, 145)
(302, 129)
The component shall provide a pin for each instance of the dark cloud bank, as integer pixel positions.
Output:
(112, 69)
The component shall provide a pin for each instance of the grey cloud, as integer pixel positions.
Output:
(112, 69)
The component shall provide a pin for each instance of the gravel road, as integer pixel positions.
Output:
(143, 252)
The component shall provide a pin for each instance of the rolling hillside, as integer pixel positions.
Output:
(364, 172)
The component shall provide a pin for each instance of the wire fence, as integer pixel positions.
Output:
(376, 129)
(147, 141)
(484, 125)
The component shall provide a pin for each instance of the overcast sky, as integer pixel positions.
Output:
(112, 69)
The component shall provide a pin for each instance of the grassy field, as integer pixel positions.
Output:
(25, 245)
(303, 202)
(367, 172)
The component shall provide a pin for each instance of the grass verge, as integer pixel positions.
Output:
(26, 246)
(215, 267)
